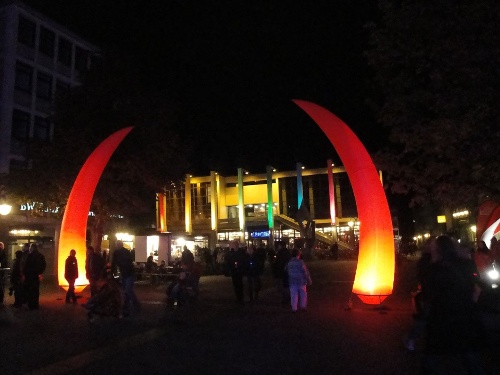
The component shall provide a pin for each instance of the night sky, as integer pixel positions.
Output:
(233, 69)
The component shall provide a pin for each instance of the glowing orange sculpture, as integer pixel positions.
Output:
(375, 271)
(74, 223)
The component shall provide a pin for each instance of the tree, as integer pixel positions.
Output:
(113, 96)
(437, 68)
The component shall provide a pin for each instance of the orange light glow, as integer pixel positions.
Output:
(74, 223)
(375, 270)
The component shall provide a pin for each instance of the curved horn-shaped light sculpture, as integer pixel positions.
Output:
(490, 232)
(375, 271)
(74, 223)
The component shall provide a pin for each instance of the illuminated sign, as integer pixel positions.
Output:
(260, 234)
(441, 219)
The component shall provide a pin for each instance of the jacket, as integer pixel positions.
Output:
(298, 274)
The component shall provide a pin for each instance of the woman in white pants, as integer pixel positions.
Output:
(298, 280)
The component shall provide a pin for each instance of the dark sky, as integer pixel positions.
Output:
(233, 70)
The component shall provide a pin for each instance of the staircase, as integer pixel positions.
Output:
(293, 224)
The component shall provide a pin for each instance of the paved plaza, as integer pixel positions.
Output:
(218, 336)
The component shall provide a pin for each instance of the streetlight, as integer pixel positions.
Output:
(4, 207)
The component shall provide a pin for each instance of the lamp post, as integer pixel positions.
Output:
(5, 209)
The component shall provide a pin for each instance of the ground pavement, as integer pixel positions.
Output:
(337, 335)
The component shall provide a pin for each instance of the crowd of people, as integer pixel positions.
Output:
(452, 280)
(25, 276)
(110, 297)
(288, 270)
(113, 297)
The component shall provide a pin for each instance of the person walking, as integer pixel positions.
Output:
(71, 274)
(3, 265)
(235, 265)
(420, 296)
(278, 268)
(34, 267)
(298, 280)
(16, 280)
(95, 268)
(253, 272)
(451, 324)
(122, 261)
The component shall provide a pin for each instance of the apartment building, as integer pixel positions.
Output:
(39, 60)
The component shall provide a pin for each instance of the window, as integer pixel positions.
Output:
(26, 32)
(62, 89)
(20, 125)
(47, 42)
(24, 77)
(81, 58)
(64, 54)
(42, 129)
(44, 86)
(18, 165)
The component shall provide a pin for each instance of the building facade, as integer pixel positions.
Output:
(39, 60)
(214, 210)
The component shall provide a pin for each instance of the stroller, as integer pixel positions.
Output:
(185, 288)
(107, 301)
(177, 292)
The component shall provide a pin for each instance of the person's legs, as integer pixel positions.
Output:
(251, 287)
(18, 295)
(294, 297)
(258, 286)
(33, 293)
(93, 287)
(2, 286)
(70, 294)
(238, 287)
(429, 364)
(472, 363)
(416, 331)
(285, 292)
(131, 300)
(302, 291)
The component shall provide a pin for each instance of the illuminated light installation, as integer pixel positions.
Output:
(269, 180)
(161, 209)
(491, 228)
(74, 222)
(241, 207)
(490, 232)
(187, 205)
(484, 215)
(300, 188)
(375, 270)
(331, 190)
